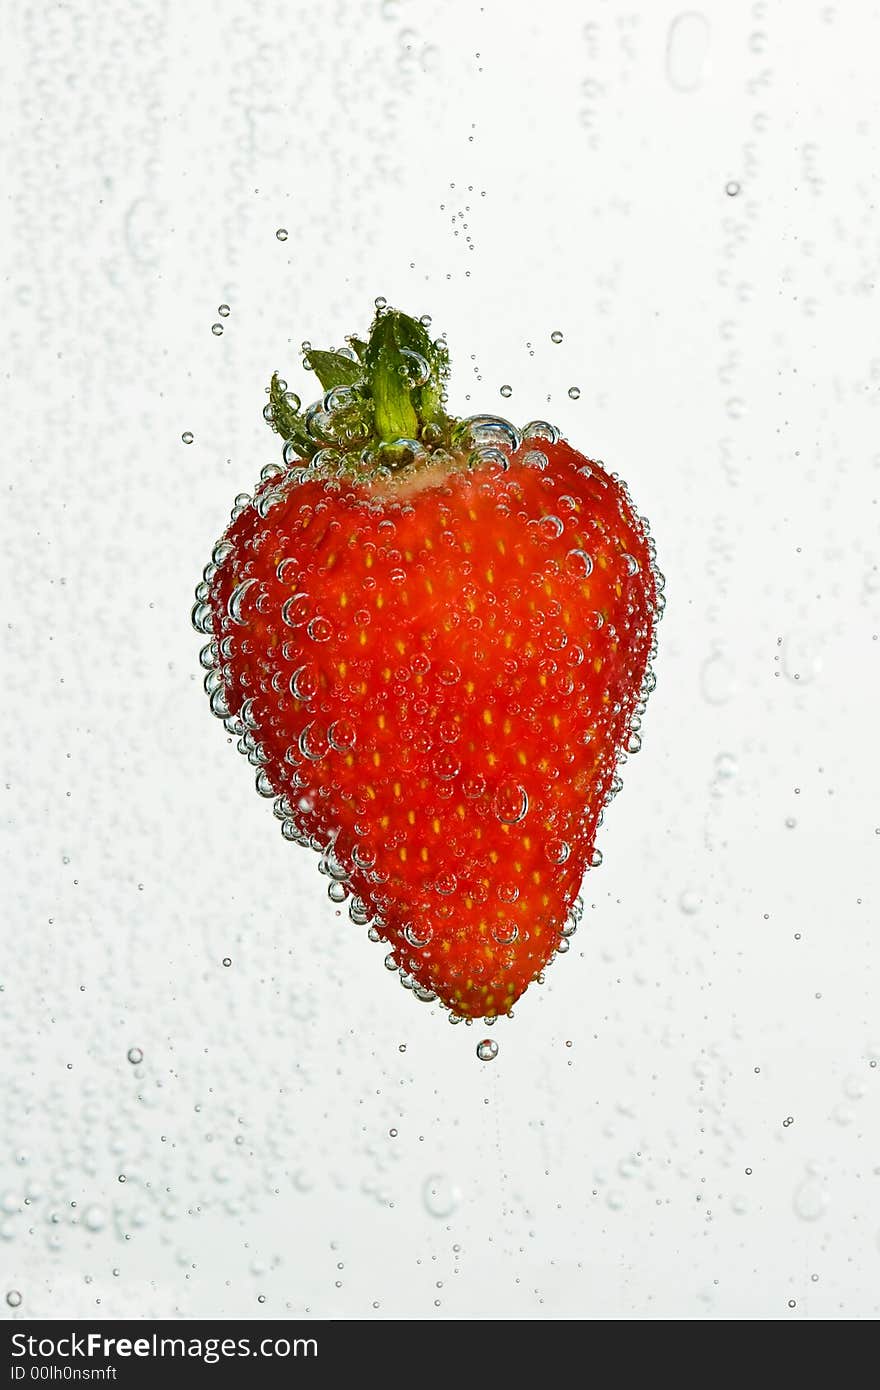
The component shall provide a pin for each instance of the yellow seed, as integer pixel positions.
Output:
(429, 586)
(487, 716)
(536, 876)
(556, 721)
(376, 759)
(370, 793)
(459, 811)
(490, 578)
(501, 549)
(491, 759)
(522, 756)
(493, 855)
(468, 902)
(597, 663)
(527, 842)
(342, 669)
(368, 559)
(379, 600)
(424, 855)
(363, 638)
(386, 674)
(435, 824)
(396, 790)
(349, 760)
(402, 853)
(400, 646)
(381, 721)
(411, 817)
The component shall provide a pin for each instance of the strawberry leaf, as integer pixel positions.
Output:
(334, 368)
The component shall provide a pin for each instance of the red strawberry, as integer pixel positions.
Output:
(432, 637)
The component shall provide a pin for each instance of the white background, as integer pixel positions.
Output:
(693, 203)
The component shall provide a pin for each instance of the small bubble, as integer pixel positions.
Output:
(135, 1055)
(574, 392)
(487, 1050)
(223, 311)
(227, 960)
(121, 1177)
(393, 1133)
(510, 803)
(216, 329)
(281, 234)
(556, 336)
(732, 188)
(13, 1298)
(506, 391)
(187, 437)
(380, 302)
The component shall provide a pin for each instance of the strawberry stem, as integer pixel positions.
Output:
(393, 396)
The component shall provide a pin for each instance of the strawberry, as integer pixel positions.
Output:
(432, 638)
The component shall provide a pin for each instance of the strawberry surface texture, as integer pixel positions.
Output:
(432, 638)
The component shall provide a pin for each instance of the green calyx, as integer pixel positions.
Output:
(383, 399)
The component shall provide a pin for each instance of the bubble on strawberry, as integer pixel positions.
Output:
(418, 936)
(295, 610)
(510, 803)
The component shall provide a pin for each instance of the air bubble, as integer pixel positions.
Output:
(217, 329)
(487, 1050)
(233, 606)
(506, 391)
(686, 50)
(418, 937)
(574, 393)
(223, 311)
(135, 1055)
(342, 735)
(13, 1298)
(732, 188)
(304, 684)
(281, 234)
(440, 1195)
(510, 803)
(579, 563)
(556, 336)
(187, 437)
